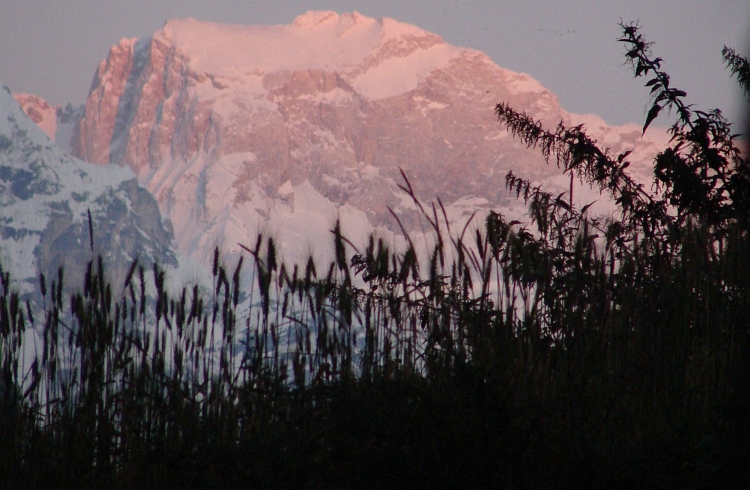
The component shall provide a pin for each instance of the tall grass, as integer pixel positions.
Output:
(513, 359)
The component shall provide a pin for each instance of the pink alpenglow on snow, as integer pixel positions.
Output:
(284, 129)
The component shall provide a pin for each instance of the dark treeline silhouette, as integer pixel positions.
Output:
(572, 352)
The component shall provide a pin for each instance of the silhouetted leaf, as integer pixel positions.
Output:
(586, 207)
(651, 116)
(562, 204)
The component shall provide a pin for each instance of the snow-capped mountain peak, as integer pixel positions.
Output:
(40, 111)
(315, 40)
(45, 200)
(241, 129)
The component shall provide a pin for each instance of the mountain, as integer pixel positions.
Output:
(60, 124)
(40, 112)
(283, 129)
(46, 197)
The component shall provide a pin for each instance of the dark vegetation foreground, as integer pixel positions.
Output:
(576, 352)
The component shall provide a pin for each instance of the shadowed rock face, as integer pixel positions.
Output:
(46, 197)
(127, 226)
(197, 95)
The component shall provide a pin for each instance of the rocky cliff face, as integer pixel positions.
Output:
(40, 112)
(45, 200)
(240, 129)
(61, 124)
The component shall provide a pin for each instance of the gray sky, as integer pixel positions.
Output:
(51, 48)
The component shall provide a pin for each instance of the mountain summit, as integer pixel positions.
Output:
(47, 198)
(283, 129)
